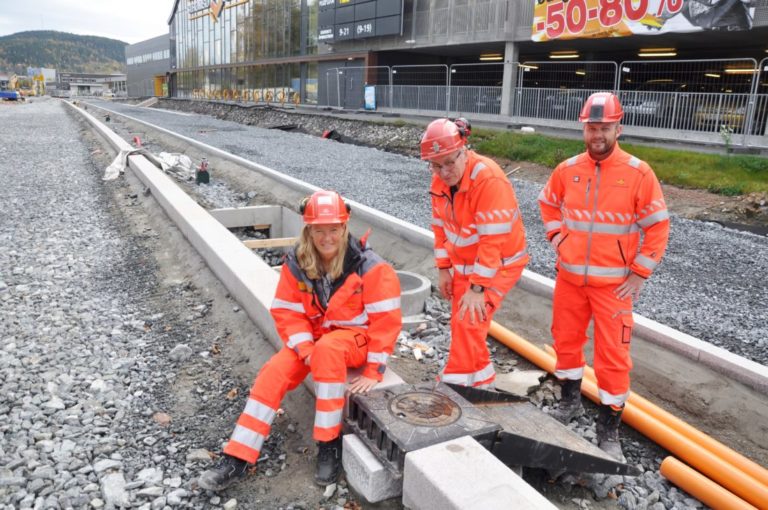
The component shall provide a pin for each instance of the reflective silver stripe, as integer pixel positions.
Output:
(248, 437)
(572, 161)
(460, 379)
(297, 338)
(327, 419)
(601, 228)
(486, 272)
(464, 269)
(543, 198)
(288, 305)
(552, 225)
(476, 170)
(360, 320)
(646, 262)
(595, 270)
(573, 374)
(437, 222)
(470, 378)
(261, 412)
(514, 258)
(459, 241)
(324, 390)
(385, 305)
(612, 400)
(441, 253)
(634, 162)
(653, 218)
(377, 357)
(494, 228)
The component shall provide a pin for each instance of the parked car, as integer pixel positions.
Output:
(563, 104)
(717, 114)
(653, 104)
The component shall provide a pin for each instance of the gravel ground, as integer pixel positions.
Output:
(116, 383)
(711, 284)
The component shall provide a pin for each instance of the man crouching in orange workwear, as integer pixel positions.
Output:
(479, 245)
(337, 305)
(594, 206)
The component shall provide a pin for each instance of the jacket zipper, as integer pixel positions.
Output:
(621, 252)
(592, 221)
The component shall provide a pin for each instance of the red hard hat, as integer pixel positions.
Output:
(440, 138)
(324, 207)
(601, 107)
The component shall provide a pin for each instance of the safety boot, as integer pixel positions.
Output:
(570, 402)
(328, 462)
(608, 420)
(227, 471)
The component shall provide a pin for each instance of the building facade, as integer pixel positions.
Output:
(89, 84)
(696, 65)
(148, 65)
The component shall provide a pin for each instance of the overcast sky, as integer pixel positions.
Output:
(130, 21)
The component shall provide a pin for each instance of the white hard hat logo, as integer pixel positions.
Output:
(435, 147)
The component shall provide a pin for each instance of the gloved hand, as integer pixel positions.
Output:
(555, 241)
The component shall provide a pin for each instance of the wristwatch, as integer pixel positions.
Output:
(477, 288)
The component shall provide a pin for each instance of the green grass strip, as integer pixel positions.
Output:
(723, 174)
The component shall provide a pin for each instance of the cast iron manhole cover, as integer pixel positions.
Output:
(425, 409)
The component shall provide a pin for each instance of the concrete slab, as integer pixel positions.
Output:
(519, 382)
(365, 474)
(462, 475)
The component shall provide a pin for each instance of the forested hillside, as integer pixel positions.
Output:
(61, 51)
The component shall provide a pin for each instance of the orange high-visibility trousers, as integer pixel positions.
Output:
(572, 308)
(469, 362)
(333, 353)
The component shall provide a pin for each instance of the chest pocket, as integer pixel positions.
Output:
(578, 190)
(347, 299)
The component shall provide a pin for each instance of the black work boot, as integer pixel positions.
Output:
(570, 402)
(227, 471)
(328, 462)
(608, 420)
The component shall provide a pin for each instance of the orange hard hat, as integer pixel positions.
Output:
(324, 207)
(440, 138)
(601, 107)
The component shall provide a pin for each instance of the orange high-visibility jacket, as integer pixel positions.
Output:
(478, 230)
(365, 299)
(599, 209)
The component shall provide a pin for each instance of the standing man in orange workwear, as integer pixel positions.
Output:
(337, 305)
(594, 207)
(479, 245)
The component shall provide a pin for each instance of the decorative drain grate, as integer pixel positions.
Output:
(397, 420)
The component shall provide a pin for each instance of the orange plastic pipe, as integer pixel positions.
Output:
(701, 487)
(707, 462)
(726, 474)
(750, 467)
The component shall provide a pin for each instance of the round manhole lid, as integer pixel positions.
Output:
(425, 408)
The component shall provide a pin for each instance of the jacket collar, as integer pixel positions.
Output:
(614, 157)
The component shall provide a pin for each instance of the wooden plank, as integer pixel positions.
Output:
(278, 242)
(262, 226)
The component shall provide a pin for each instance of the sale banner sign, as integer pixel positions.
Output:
(581, 19)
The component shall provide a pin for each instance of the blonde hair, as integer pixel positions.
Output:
(311, 262)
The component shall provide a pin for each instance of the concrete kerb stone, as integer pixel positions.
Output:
(462, 475)
(366, 474)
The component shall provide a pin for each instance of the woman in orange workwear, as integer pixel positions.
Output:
(337, 305)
